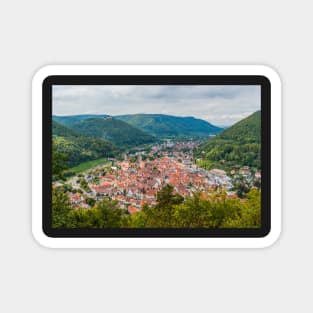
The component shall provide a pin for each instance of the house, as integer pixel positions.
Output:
(245, 171)
(132, 209)
(150, 194)
(76, 198)
(217, 172)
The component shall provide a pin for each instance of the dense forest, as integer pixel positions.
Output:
(237, 145)
(117, 132)
(203, 210)
(73, 148)
(167, 126)
(69, 120)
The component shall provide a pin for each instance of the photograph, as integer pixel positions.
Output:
(156, 156)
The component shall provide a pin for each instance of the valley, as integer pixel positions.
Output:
(135, 181)
(130, 168)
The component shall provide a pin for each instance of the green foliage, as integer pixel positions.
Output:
(116, 131)
(60, 208)
(69, 120)
(200, 211)
(249, 215)
(138, 220)
(105, 214)
(91, 201)
(59, 164)
(67, 187)
(87, 165)
(76, 148)
(96, 181)
(206, 164)
(242, 187)
(214, 210)
(162, 215)
(166, 198)
(237, 145)
(84, 185)
(167, 126)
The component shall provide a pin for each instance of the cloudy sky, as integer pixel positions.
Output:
(220, 105)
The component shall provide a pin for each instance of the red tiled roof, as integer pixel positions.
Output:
(132, 209)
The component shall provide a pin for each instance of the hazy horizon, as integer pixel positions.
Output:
(220, 105)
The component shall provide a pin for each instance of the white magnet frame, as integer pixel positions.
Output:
(276, 142)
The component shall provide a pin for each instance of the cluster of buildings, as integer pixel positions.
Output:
(136, 184)
(246, 174)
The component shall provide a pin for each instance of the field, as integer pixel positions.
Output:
(88, 165)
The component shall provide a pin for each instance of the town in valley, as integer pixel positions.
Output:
(134, 180)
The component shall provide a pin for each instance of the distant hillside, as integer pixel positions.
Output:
(160, 125)
(240, 144)
(61, 130)
(78, 148)
(114, 130)
(68, 120)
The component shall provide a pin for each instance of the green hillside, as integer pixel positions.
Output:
(69, 120)
(238, 145)
(160, 125)
(61, 130)
(116, 131)
(77, 148)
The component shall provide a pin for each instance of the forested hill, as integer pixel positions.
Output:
(61, 130)
(68, 120)
(238, 145)
(247, 130)
(76, 148)
(160, 125)
(114, 130)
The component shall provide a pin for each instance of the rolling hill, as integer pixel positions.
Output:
(163, 126)
(114, 130)
(69, 120)
(240, 144)
(78, 148)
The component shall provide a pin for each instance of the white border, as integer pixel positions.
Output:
(156, 242)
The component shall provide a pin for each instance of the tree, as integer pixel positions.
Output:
(60, 208)
(257, 183)
(166, 198)
(162, 214)
(58, 164)
(201, 210)
(108, 214)
(249, 215)
(137, 220)
(91, 201)
(205, 211)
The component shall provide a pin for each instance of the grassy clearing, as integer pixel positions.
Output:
(88, 165)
